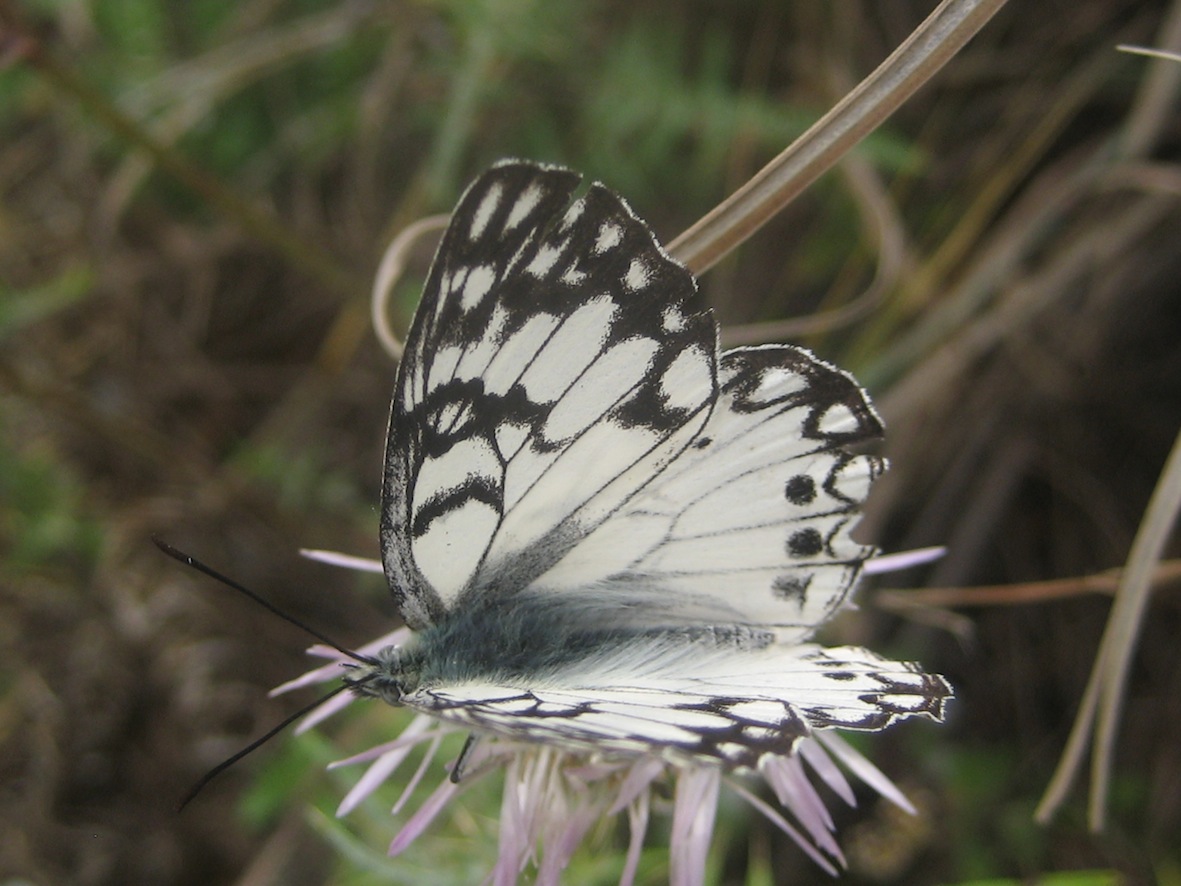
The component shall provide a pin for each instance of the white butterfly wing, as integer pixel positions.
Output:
(750, 525)
(558, 361)
(569, 458)
(696, 705)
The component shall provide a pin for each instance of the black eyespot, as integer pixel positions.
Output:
(800, 489)
(805, 543)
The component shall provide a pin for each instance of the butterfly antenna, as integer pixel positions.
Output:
(253, 746)
(261, 601)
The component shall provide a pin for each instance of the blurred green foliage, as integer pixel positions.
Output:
(45, 520)
(158, 304)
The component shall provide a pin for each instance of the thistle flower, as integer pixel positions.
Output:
(553, 796)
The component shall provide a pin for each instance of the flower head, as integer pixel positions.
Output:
(553, 796)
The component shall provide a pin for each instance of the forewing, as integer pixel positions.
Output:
(558, 360)
(728, 709)
(751, 524)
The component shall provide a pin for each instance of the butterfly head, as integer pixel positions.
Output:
(387, 677)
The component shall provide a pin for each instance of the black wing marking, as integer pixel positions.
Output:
(727, 709)
(751, 524)
(559, 360)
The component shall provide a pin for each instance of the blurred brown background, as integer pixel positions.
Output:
(194, 199)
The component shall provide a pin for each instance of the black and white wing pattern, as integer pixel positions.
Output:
(694, 702)
(558, 360)
(605, 533)
(751, 524)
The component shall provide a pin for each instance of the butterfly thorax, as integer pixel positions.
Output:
(529, 642)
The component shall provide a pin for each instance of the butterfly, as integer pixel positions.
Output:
(605, 533)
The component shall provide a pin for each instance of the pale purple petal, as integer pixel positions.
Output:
(515, 838)
(814, 755)
(782, 823)
(694, 811)
(637, 819)
(412, 735)
(334, 705)
(385, 765)
(561, 843)
(423, 765)
(863, 769)
(313, 677)
(643, 772)
(423, 817)
(901, 560)
(348, 561)
(790, 783)
(590, 771)
(374, 776)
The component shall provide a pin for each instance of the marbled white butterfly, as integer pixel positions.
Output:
(604, 533)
